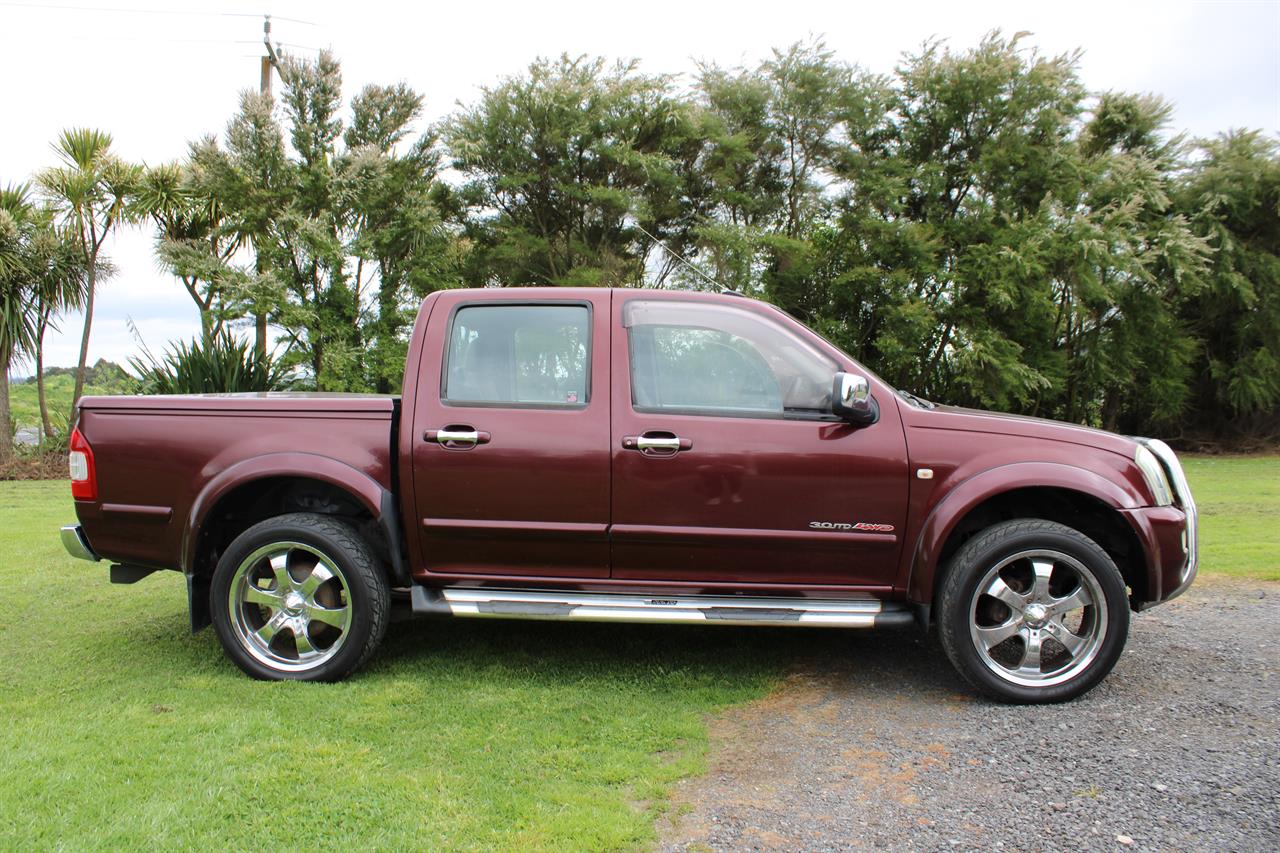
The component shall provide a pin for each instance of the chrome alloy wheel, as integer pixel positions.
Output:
(290, 606)
(1038, 618)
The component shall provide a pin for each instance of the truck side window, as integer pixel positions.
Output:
(718, 360)
(519, 355)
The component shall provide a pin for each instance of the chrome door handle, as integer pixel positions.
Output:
(457, 437)
(656, 443)
(647, 443)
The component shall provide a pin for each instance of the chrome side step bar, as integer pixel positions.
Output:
(619, 607)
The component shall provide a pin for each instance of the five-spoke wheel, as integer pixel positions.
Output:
(1035, 618)
(1033, 611)
(290, 605)
(299, 596)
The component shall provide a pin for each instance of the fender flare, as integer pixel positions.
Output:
(989, 483)
(379, 501)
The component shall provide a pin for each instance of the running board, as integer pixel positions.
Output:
(610, 607)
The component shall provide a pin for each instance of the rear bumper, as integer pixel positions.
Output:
(75, 543)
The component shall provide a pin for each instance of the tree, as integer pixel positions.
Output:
(17, 317)
(1124, 262)
(343, 226)
(58, 278)
(250, 181)
(927, 274)
(770, 135)
(90, 192)
(1231, 194)
(193, 243)
(994, 248)
(44, 277)
(395, 233)
(562, 165)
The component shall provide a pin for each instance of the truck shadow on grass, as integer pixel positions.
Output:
(573, 651)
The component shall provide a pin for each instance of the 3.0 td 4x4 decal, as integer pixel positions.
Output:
(861, 525)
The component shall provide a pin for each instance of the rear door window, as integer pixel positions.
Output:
(534, 356)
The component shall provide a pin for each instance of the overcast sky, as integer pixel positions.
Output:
(157, 75)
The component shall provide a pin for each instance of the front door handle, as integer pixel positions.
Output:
(457, 437)
(657, 443)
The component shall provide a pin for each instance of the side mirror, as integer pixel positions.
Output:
(851, 399)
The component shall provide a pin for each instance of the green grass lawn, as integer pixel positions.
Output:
(122, 730)
(1239, 502)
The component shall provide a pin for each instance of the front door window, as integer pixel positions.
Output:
(720, 360)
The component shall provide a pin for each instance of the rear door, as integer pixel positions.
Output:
(511, 436)
(728, 468)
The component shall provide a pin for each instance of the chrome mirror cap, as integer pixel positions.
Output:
(851, 399)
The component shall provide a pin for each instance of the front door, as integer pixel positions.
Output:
(511, 434)
(727, 466)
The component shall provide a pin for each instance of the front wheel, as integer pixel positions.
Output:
(1033, 611)
(299, 597)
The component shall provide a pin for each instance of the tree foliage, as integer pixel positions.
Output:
(194, 242)
(976, 226)
(17, 315)
(91, 192)
(342, 227)
(564, 166)
(41, 275)
(1232, 197)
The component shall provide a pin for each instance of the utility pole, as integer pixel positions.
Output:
(270, 62)
(272, 58)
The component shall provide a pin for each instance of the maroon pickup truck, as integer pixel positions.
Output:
(634, 455)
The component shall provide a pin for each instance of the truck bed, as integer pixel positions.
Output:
(163, 461)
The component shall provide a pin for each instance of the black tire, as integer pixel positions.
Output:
(1008, 561)
(321, 620)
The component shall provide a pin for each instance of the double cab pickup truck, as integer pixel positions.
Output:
(638, 456)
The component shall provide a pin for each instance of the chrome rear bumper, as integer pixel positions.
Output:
(75, 543)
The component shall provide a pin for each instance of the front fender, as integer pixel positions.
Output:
(983, 486)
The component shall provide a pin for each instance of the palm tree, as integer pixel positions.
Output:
(16, 314)
(59, 282)
(90, 191)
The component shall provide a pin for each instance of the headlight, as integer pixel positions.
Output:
(1153, 473)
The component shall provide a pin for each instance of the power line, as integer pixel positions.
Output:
(134, 11)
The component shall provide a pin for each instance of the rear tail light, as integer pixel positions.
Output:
(84, 477)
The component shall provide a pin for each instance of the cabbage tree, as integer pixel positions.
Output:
(90, 191)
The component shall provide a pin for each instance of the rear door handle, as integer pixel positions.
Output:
(457, 437)
(657, 443)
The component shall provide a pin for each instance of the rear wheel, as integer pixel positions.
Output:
(299, 597)
(1033, 611)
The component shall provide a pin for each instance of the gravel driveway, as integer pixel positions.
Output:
(884, 746)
